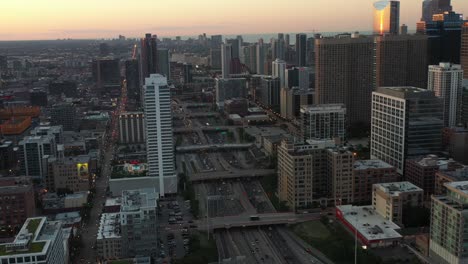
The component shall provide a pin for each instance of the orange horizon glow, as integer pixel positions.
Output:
(52, 19)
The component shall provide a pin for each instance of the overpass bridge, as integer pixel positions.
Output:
(264, 220)
(212, 147)
(230, 175)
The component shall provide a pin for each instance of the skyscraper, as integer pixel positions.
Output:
(132, 75)
(401, 60)
(386, 17)
(344, 70)
(32, 153)
(301, 49)
(158, 126)
(215, 55)
(319, 122)
(444, 33)
(148, 57)
(464, 50)
(164, 60)
(106, 73)
(278, 70)
(445, 80)
(250, 57)
(270, 93)
(261, 57)
(432, 7)
(216, 41)
(406, 122)
(277, 49)
(226, 53)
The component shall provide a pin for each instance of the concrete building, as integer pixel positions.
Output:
(132, 128)
(138, 219)
(18, 201)
(39, 241)
(301, 49)
(109, 238)
(373, 230)
(228, 89)
(64, 114)
(445, 80)
(44, 130)
(458, 145)
(33, 154)
(270, 93)
(464, 50)
(401, 60)
(389, 199)
(106, 74)
(297, 77)
(215, 61)
(302, 173)
(278, 70)
(226, 53)
(164, 65)
(449, 225)
(406, 122)
(69, 174)
(367, 173)
(292, 99)
(344, 67)
(386, 17)
(421, 172)
(323, 122)
(277, 49)
(447, 175)
(158, 129)
(261, 58)
(236, 106)
(340, 170)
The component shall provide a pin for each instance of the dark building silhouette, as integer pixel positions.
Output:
(188, 76)
(64, 114)
(344, 75)
(386, 17)
(432, 7)
(401, 60)
(132, 75)
(38, 97)
(445, 37)
(164, 63)
(148, 57)
(3, 63)
(301, 49)
(104, 49)
(68, 88)
(106, 73)
(464, 50)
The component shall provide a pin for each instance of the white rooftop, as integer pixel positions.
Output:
(369, 223)
(459, 185)
(109, 226)
(371, 164)
(396, 188)
(133, 200)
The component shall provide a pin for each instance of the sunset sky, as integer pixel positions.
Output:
(51, 19)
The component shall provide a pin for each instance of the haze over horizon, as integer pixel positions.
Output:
(52, 19)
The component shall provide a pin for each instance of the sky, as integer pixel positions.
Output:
(52, 19)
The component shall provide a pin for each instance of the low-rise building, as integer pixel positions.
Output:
(369, 172)
(69, 174)
(38, 242)
(17, 202)
(372, 229)
(447, 176)
(109, 239)
(389, 199)
(236, 106)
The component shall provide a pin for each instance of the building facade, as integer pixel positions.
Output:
(33, 153)
(367, 173)
(386, 17)
(132, 128)
(158, 129)
(228, 89)
(406, 122)
(323, 122)
(18, 201)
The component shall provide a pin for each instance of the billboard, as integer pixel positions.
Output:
(83, 171)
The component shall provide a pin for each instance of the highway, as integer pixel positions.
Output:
(233, 174)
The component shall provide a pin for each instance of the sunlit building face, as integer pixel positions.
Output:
(386, 17)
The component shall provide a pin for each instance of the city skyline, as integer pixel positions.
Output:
(104, 19)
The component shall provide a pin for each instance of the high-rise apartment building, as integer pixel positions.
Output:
(406, 122)
(33, 152)
(301, 49)
(44, 130)
(148, 57)
(449, 225)
(226, 59)
(293, 98)
(344, 69)
(389, 199)
(215, 58)
(386, 17)
(38, 241)
(401, 60)
(302, 173)
(250, 57)
(158, 128)
(297, 77)
(270, 93)
(326, 121)
(446, 80)
(164, 60)
(340, 170)
(261, 57)
(277, 49)
(216, 41)
(369, 172)
(278, 70)
(464, 50)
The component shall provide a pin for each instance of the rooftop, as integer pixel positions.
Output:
(323, 108)
(460, 174)
(109, 226)
(460, 186)
(434, 161)
(369, 223)
(133, 200)
(371, 164)
(396, 188)
(405, 92)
